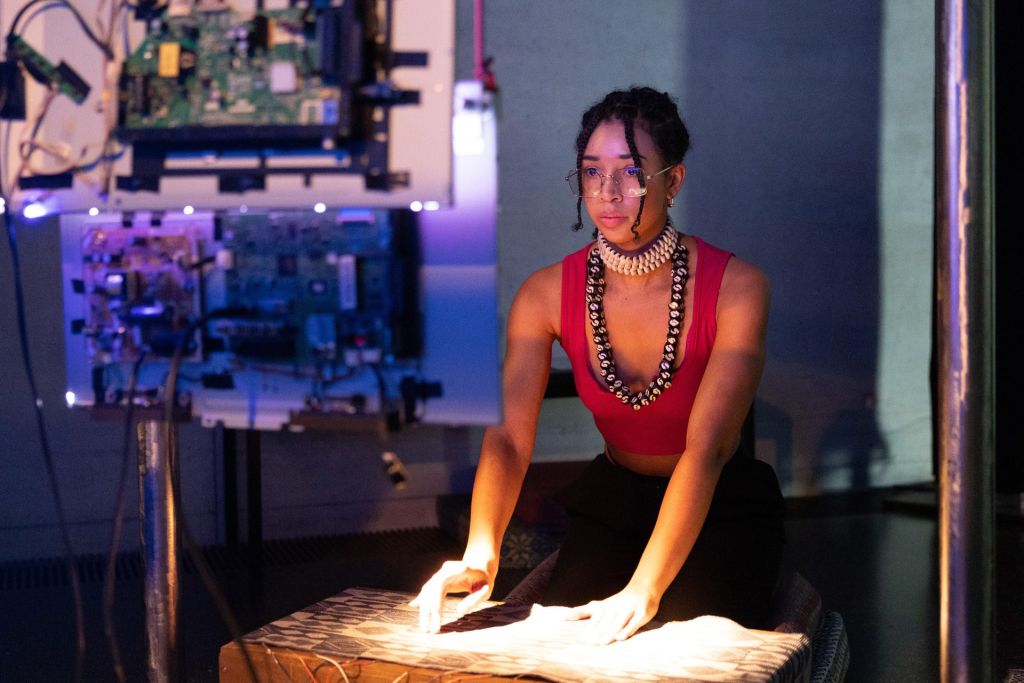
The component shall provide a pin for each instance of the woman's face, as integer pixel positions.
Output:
(613, 211)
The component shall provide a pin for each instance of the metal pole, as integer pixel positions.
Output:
(965, 335)
(160, 554)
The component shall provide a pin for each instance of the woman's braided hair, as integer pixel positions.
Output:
(655, 111)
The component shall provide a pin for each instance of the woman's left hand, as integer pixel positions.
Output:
(617, 617)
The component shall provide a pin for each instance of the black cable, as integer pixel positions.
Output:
(17, 17)
(382, 387)
(104, 48)
(4, 146)
(37, 124)
(51, 472)
(115, 540)
(53, 4)
(103, 157)
(170, 459)
(124, 30)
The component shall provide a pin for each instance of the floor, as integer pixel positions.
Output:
(873, 562)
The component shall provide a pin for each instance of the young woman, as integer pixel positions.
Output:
(665, 334)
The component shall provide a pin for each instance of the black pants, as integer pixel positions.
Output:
(731, 571)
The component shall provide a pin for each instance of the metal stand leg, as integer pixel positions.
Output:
(965, 349)
(160, 554)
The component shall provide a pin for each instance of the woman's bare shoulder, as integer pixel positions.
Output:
(744, 279)
(543, 285)
(539, 299)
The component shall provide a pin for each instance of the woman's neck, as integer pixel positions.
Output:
(648, 257)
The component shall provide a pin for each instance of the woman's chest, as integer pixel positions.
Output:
(644, 329)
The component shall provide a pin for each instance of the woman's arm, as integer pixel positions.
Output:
(506, 449)
(722, 402)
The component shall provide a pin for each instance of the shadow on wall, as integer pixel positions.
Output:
(851, 448)
(782, 100)
(775, 439)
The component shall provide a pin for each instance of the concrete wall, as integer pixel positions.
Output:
(812, 158)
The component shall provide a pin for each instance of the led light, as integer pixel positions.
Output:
(70, 398)
(432, 206)
(34, 210)
(416, 206)
(94, 211)
(243, 209)
(319, 207)
(188, 210)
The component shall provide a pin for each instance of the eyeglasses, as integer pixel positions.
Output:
(630, 181)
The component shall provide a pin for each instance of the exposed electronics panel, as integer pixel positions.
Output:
(140, 286)
(320, 310)
(218, 105)
(292, 73)
(327, 318)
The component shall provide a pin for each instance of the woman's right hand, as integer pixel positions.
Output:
(452, 577)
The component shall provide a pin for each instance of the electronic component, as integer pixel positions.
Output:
(12, 91)
(207, 76)
(321, 305)
(217, 105)
(309, 78)
(322, 288)
(354, 318)
(141, 289)
(62, 77)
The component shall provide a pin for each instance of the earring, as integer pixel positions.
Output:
(671, 202)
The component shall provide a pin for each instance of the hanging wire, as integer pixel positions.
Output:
(337, 665)
(481, 65)
(115, 540)
(51, 471)
(108, 152)
(169, 454)
(78, 17)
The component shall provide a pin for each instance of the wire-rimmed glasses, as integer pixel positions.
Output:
(630, 181)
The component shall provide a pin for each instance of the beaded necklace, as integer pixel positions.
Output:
(595, 309)
(642, 262)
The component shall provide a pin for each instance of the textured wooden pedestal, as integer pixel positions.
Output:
(292, 665)
(373, 635)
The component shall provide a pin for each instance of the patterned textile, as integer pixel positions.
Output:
(529, 590)
(831, 650)
(797, 607)
(523, 640)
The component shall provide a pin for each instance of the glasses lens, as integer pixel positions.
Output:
(589, 182)
(586, 182)
(631, 181)
(575, 181)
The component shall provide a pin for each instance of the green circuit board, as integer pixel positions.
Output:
(214, 68)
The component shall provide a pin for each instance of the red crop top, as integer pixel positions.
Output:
(659, 428)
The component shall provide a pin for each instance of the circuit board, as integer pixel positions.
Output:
(210, 69)
(325, 290)
(141, 289)
(319, 306)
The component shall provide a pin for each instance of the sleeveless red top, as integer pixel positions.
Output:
(658, 428)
